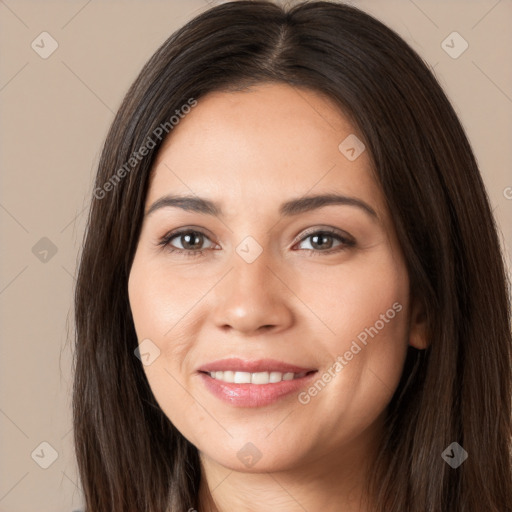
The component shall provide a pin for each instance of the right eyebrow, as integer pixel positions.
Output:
(188, 203)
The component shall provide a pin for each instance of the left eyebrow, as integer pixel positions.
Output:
(308, 203)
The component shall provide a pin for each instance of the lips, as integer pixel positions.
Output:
(254, 395)
(262, 365)
(239, 388)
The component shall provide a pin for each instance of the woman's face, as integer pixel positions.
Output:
(320, 285)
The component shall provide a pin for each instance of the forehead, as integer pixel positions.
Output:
(261, 145)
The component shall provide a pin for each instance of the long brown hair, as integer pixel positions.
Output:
(459, 389)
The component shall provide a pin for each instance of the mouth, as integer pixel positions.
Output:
(253, 383)
(257, 378)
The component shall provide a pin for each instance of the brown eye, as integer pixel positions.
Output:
(191, 242)
(323, 241)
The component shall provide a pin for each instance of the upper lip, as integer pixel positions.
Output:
(260, 365)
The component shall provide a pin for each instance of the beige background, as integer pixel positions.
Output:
(54, 116)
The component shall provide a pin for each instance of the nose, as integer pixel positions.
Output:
(253, 298)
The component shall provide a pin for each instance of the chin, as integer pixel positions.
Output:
(250, 458)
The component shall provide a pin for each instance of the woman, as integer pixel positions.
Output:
(291, 293)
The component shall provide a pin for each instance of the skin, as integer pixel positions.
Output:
(250, 151)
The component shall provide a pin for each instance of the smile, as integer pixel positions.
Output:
(254, 389)
(258, 378)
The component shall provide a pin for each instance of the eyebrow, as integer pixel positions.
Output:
(287, 209)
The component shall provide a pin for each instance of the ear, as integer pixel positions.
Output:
(418, 325)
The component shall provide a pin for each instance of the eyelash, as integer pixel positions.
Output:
(346, 242)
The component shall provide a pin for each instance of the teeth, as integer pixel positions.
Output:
(254, 378)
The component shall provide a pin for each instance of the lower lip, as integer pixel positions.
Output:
(253, 395)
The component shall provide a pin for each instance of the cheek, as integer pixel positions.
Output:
(159, 314)
(349, 299)
(365, 309)
(161, 302)
(163, 311)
